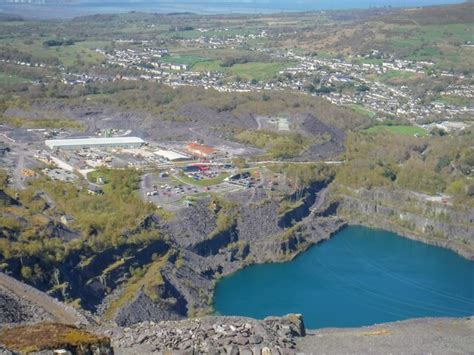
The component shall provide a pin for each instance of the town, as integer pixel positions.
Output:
(356, 81)
(375, 97)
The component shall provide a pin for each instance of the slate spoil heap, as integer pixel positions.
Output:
(231, 335)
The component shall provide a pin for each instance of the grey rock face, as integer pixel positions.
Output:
(258, 221)
(143, 308)
(258, 235)
(255, 339)
(413, 215)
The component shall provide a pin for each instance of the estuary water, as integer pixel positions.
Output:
(361, 276)
(89, 7)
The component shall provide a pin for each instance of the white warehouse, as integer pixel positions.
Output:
(79, 143)
(171, 155)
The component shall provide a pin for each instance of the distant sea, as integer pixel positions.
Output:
(81, 8)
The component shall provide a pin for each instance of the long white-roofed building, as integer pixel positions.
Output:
(171, 155)
(100, 142)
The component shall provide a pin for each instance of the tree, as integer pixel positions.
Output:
(456, 188)
(467, 158)
(239, 162)
(26, 272)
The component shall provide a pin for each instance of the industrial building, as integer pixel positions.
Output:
(201, 151)
(80, 143)
(171, 155)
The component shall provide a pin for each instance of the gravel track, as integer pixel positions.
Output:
(58, 311)
(415, 336)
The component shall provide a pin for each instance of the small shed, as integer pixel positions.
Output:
(94, 190)
(66, 219)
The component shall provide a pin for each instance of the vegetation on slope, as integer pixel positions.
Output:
(54, 123)
(405, 130)
(278, 145)
(432, 165)
(51, 336)
(146, 278)
(100, 220)
(101, 217)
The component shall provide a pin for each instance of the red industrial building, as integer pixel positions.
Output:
(200, 151)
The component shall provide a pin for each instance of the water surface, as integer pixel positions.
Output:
(81, 7)
(361, 276)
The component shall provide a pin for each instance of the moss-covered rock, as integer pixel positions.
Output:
(52, 336)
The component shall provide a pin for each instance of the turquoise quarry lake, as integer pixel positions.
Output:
(361, 276)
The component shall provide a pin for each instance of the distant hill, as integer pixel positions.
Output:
(436, 15)
(10, 17)
(38, 2)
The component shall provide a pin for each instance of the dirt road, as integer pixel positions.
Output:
(415, 336)
(60, 312)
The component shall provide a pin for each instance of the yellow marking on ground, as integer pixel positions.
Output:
(377, 332)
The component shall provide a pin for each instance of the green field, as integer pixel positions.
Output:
(403, 130)
(204, 182)
(11, 79)
(438, 43)
(226, 32)
(257, 71)
(183, 34)
(210, 65)
(188, 59)
(455, 100)
(457, 31)
(424, 54)
(416, 35)
(391, 75)
(80, 52)
(362, 110)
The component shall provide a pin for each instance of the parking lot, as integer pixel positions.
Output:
(178, 188)
(60, 174)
